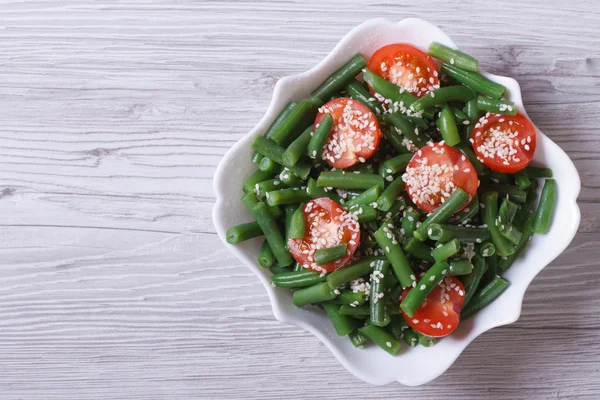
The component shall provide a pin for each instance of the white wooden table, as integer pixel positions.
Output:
(113, 117)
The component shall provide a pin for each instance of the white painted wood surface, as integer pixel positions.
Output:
(113, 117)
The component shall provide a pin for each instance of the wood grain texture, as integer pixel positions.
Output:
(114, 115)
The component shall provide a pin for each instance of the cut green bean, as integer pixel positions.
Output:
(484, 296)
(507, 211)
(407, 129)
(284, 133)
(471, 110)
(343, 180)
(268, 165)
(537, 172)
(313, 294)
(468, 213)
(446, 251)
(506, 262)
(522, 180)
(381, 338)
(453, 57)
(395, 255)
(257, 157)
(461, 266)
(349, 298)
(297, 226)
(262, 188)
(359, 311)
(409, 223)
(443, 95)
(368, 197)
(242, 232)
(397, 140)
(357, 339)
(442, 213)
(297, 148)
(377, 294)
(543, 215)
(278, 269)
(336, 81)
(499, 177)
(287, 196)
(316, 192)
(399, 97)
(250, 200)
(486, 249)
(353, 271)
(447, 125)
(265, 256)
(290, 179)
(359, 93)
(297, 279)
(269, 148)
(397, 164)
(364, 213)
(460, 117)
(431, 279)
(330, 254)
(319, 138)
(510, 232)
(390, 194)
(426, 341)
(491, 270)
(257, 177)
(419, 250)
(401, 330)
(496, 106)
(471, 282)
(445, 233)
(475, 81)
(272, 234)
(342, 324)
(489, 215)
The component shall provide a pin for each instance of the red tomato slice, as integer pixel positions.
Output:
(504, 143)
(355, 134)
(407, 67)
(327, 225)
(439, 314)
(434, 172)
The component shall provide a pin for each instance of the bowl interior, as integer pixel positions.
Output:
(413, 366)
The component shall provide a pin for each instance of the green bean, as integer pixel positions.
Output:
(294, 120)
(525, 209)
(496, 106)
(242, 232)
(364, 213)
(522, 180)
(368, 197)
(269, 148)
(461, 266)
(250, 200)
(377, 294)
(418, 122)
(426, 341)
(342, 324)
(297, 279)
(343, 180)
(262, 188)
(445, 233)
(471, 282)
(431, 279)
(268, 165)
(471, 110)
(447, 125)
(491, 271)
(475, 81)
(287, 196)
(357, 339)
(353, 271)
(419, 250)
(543, 215)
(442, 213)
(290, 179)
(395, 255)
(398, 206)
(409, 223)
(257, 177)
(265, 256)
(397, 164)
(507, 211)
(388, 90)
(401, 330)
(319, 138)
(313, 294)
(407, 129)
(278, 269)
(486, 249)
(395, 138)
(330, 254)
(446, 251)
(336, 81)
(453, 56)
(389, 195)
(381, 338)
(272, 234)
(485, 296)
(507, 261)
(510, 232)
(257, 157)
(360, 311)
(297, 226)
(466, 214)
(349, 298)
(443, 95)
(499, 177)
(470, 154)
(359, 93)
(537, 172)
(316, 192)
(460, 117)
(297, 148)
(489, 215)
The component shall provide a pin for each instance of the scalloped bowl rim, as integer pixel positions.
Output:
(372, 364)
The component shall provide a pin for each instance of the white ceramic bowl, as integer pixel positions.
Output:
(412, 366)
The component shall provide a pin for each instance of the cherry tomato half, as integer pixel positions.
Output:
(504, 143)
(407, 67)
(327, 225)
(439, 314)
(355, 134)
(434, 172)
